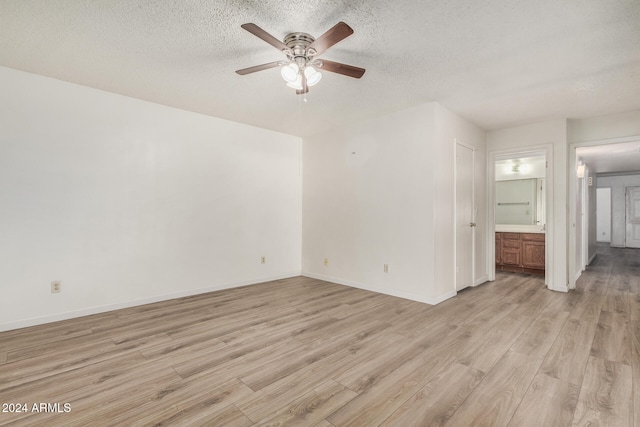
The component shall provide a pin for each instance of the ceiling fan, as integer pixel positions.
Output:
(302, 49)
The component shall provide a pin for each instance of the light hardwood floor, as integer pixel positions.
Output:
(305, 352)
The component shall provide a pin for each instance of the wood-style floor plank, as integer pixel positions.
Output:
(312, 407)
(302, 351)
(568, 356)
(605, 395)
(496, 398)
(548, 402)
(612, 341)
(538, 338)
(634, 331)
(435, 403)
(373, 405)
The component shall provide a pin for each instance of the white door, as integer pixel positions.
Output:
(465, 221)
(603, 215)
(633, 217)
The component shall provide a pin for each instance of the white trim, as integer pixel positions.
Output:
(560, 289)
(571, 158)
(481, 280)
(126, 304)
(585, 220)
(547, 151)
(382, 290)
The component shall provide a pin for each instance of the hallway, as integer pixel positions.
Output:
(613, 280)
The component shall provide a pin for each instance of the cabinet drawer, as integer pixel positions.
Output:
(533, 237)
(510, 236)
(512, 244)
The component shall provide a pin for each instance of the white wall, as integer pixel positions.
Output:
(552, 132)
(618, 204)
(125, 201)
(604, 127)
(382, 192)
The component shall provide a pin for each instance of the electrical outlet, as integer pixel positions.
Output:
(386, 268)
(56, 287)
(263, 259)
(326, 262)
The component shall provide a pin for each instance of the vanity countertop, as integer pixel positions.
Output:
(509, 228)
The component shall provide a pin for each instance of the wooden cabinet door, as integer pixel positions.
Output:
(498, 248)
(511, 256)
(533, 254)
(511, 249)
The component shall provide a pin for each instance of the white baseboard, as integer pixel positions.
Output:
(383, 290)
(564, 288)
(481, 280)
(24, 323)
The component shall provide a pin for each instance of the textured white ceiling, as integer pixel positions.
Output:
(497, 63)
(622, 157)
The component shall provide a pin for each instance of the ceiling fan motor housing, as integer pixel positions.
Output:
(298, 44)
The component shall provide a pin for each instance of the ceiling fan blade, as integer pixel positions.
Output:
(340, 68)
(260, 33)
(258, 68)
(305, 87)
(338, 32)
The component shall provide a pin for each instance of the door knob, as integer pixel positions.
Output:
(473, 224)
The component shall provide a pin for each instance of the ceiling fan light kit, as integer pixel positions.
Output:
(301, 49)
(313, 76)
(297, 83)
(289, 72)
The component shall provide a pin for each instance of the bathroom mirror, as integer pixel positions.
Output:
(520, 202)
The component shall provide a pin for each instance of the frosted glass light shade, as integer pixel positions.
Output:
(289, 72)
(313, 76)
(296, 84)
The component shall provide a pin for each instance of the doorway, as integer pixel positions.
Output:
(537, 208)
(613, 164)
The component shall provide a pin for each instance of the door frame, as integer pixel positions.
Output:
(545, 150)
(455, 210)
